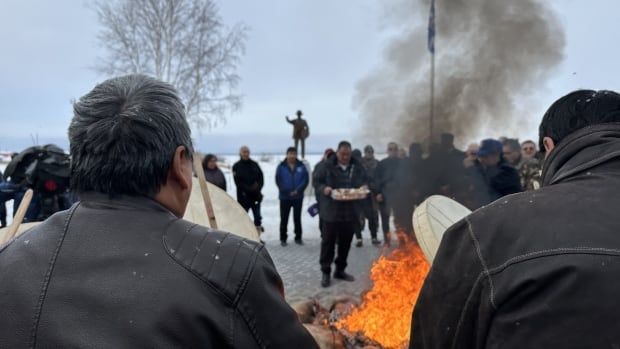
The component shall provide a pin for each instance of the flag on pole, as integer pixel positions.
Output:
(431, 28)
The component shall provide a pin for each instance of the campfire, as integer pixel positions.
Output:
(383, 319)
(385, 313)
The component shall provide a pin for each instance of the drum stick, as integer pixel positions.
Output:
(19, 216)
(204, 189)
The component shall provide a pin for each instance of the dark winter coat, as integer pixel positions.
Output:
(412, 180)
(317, 174)
(216, 177)
(490, 184)
(127, 273)
(445, 172)
(370, 165)
(537, 269)
(453, 173)
(335, 177)
(288, 181)
(249, 181)
(411, 183)
(319, 170)
(386, 176)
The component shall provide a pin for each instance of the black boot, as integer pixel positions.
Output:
(343, 276)
(325, 280)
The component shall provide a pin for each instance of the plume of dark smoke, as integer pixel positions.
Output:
(492, 58)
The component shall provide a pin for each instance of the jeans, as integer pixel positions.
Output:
(285, 211)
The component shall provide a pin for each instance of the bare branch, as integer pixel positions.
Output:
(183, 42)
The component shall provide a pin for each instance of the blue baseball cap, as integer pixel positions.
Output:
(490, 146)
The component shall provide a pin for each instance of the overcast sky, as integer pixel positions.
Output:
(301, 54)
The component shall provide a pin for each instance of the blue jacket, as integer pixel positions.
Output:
(289, 181)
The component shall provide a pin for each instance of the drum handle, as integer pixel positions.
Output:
(204, 189)
(18, 218)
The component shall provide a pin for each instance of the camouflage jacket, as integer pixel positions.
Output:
(530, 173)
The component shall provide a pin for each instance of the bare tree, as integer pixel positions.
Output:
(183, 42)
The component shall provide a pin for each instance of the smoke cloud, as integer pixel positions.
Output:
(492, 60)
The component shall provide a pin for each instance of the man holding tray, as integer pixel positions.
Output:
(340, 211)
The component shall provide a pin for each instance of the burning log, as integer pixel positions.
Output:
(321, 323)
(326, 338)
(316, 319)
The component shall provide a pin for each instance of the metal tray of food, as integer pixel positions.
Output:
(350, 194)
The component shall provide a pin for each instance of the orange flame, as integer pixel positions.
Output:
(385, 313)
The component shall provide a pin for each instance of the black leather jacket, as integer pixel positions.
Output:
(537, 269)
(126, 273)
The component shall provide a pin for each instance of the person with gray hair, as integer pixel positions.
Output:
(121, 268)
(511, 151)
(529, 166)
(249, 180)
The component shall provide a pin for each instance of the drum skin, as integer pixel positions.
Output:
(432, 218)
(229, 215)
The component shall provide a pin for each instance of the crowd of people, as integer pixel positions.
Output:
(401, 181)
(396, 184)
(121, 268)
(537, 269)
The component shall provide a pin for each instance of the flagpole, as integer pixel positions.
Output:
(432, 115)
(431, 48)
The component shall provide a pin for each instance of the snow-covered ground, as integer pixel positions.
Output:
(271, 205)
